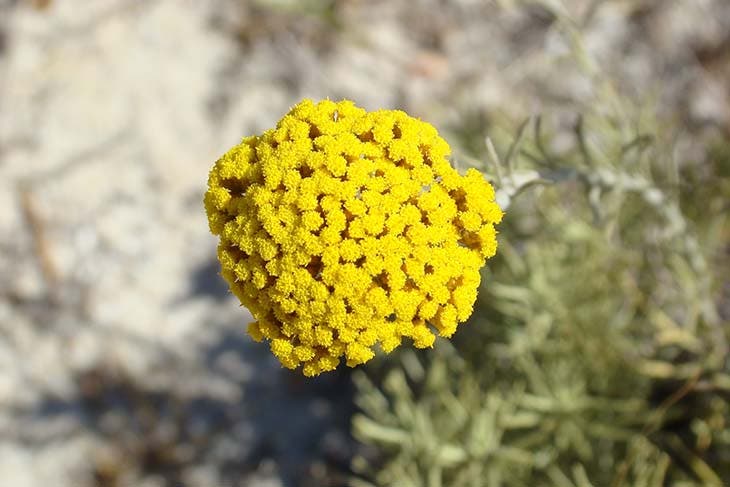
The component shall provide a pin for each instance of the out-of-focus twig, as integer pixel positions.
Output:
(41, 245)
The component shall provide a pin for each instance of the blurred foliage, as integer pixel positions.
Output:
(598, 353)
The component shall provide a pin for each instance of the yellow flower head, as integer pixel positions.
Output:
(341, 229)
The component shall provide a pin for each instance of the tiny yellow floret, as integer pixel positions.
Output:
(343, 230)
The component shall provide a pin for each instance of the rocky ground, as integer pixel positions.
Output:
(123, 359)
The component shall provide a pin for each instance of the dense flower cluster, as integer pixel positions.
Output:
(341, 229)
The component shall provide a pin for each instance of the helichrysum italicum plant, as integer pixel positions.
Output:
(342, 229)
(597, 355)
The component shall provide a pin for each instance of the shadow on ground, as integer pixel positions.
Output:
(183, 432)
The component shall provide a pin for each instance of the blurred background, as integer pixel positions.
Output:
(123, 357)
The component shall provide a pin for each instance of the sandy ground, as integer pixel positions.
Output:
(123, 359)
